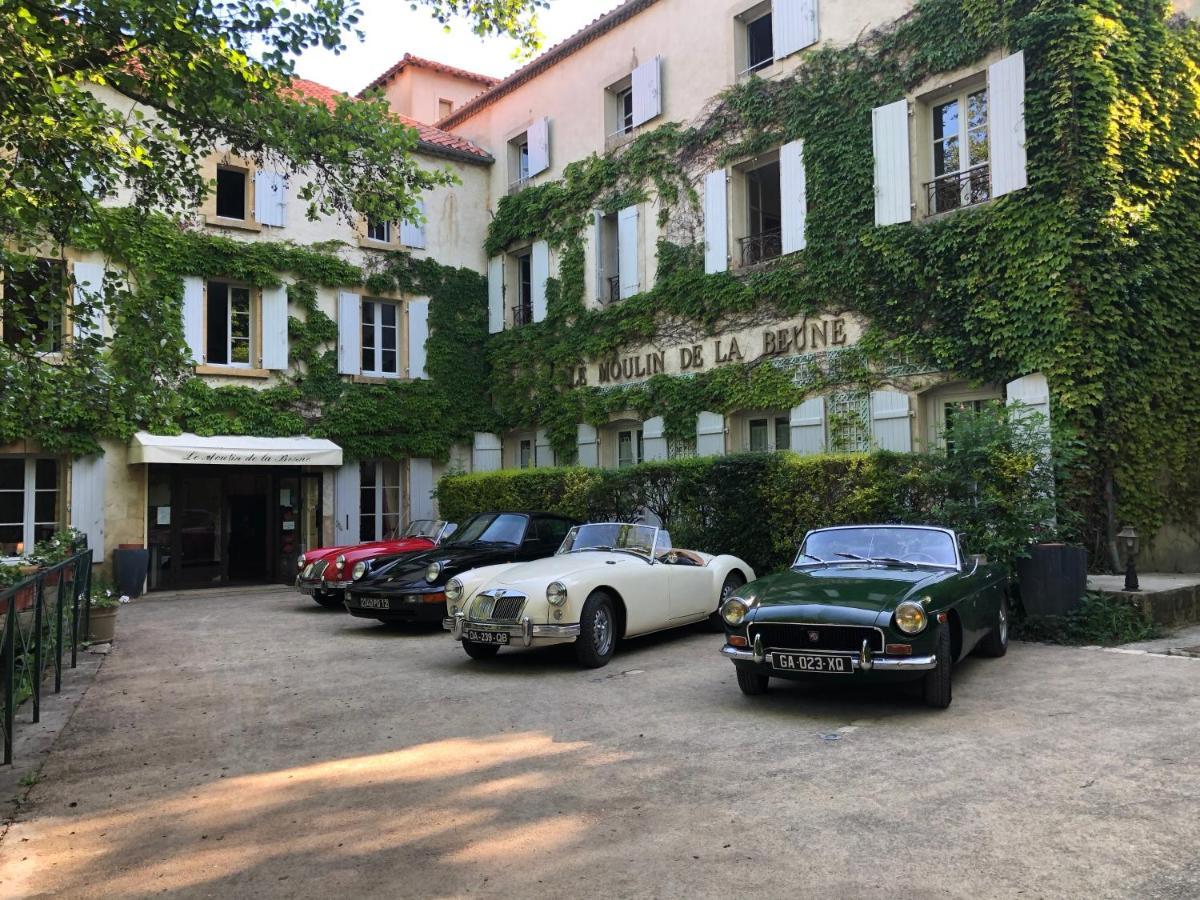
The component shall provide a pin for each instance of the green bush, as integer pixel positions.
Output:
(1100, 619)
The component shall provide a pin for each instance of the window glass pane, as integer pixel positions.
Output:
(12, 507)
(977, 128)
(760, 42)
(12, 474)
(10, 536)
(47, 474)
(231, 193)
(625, 448)
(366, 474)
(641, 448)
(218, 323)
(44, 532)
(388, 363)
(379, 231)
(239, 325)
(758, 435)
(525, 455)
(783, 434)
(388, 315)
(945, 120)
(45, 507)
(523, 161)
(368, 337)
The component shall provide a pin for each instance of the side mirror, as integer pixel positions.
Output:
(980, 559)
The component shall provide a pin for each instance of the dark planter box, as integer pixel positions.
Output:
(1053, 579)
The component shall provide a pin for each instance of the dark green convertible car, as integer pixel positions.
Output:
(871, 603)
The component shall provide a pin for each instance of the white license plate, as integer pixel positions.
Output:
(805, 662)
(306, 590)
(374, 603)
(485, 637)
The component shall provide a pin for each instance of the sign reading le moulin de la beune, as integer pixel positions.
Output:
(786, 339)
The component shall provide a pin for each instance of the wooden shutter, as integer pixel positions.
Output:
(539, 271)
(710, 434)
(893, 178)
(1006, 109)
(807, 424)
(270, 198)
(88, 292)
(193, 316)
(647, 91)
(88, 483)
(793, 26)
(412, 234)
(543, 453)
(349, 333)
(793, 193)
(627, 251)
(654, 439)
(275, 328)
(587, 442)
(418, 334)
(891, 421)
(539, 146)
(420, 489)
(716, 222)
(486, 454)
(496, 294)
(347, 482)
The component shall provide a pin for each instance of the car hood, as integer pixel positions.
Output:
(565, 566)
(870, 589)
(411, 567)
(387, 548)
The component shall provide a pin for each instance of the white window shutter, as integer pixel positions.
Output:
(412, 234)
(347, 482)
(793, 192)
(893, 179)
(486, 454)
(420, 489)
(275, 328)
(418, 334)
(1006, 109)
(88, 486)
(88, 292)
(543, 453)
(710, 434)
(349, 333)
(193, 316)
(1033, 393)
(716, 222)
(539, 271)
(647, 91)
(496, 294)
(793, 26)
(270, 198)
(539, 146)
(627, 251)
(654, 439)
(807, 424)
(891, 421)
(598, 249)
(587, 443)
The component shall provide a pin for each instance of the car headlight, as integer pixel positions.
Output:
(556, 593)
(911, 618)
(359, 570)
(454, 591)
(300, 562)
(432, 573)
(734, 611)
(340, 562)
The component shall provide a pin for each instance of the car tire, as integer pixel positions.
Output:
(732, 582)
(937, 680)
(597, 632)
(996, 642)
(753, 683)
(329, 599)
(480, 651)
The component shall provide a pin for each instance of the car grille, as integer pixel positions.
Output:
(319, 568)
(498, 606)
(793, 636)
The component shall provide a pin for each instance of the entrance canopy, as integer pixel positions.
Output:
(229, 450)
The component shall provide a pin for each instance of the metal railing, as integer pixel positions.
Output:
(32, 614)
(614, 288)
(960, 189)
(522, 315)
(760, 247)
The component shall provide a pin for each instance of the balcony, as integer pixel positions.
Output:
(522, 315)
(959, 189)
(759, 248)
(612, 289)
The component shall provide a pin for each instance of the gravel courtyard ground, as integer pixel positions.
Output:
(249, 744)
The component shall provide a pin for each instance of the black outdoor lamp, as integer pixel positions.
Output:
(1129, 543)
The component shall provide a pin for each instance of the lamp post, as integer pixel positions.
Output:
(1129, 543)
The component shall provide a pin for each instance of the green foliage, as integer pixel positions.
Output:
(59, 546)
(1100, 619)
(10, 575)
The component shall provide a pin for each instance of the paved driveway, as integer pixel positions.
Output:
(251, 744)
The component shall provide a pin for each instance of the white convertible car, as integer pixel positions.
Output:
(607, 581)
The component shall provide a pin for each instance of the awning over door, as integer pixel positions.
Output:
(229, 450)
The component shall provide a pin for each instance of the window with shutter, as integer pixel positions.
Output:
(893, 169)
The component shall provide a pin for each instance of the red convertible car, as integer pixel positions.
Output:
(325, 573)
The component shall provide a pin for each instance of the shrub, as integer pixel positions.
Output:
(1100, 619)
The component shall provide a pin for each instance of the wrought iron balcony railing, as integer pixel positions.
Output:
(960, 189)
(760, 247)
(614, 289)
(522, 315)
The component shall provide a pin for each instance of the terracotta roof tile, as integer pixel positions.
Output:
(419, 62)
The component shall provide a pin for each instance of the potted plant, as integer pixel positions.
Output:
(103, 616)
(53, 550)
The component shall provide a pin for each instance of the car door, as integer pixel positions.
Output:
(691, 590)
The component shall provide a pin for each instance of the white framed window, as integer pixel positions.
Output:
(379, 231)
(768, 433)
(522, 311)
(960, 151)
(756, 39)
(380, 499)
(29, 502)
(229, 320)
(381, 338)
(630, 447)
(942, 407)
(518, 162)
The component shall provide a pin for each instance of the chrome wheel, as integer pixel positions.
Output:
(602, 631)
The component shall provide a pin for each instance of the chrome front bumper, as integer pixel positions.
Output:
(525, 630)
(863, 661)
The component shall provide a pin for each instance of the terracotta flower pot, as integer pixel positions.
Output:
(104, 623)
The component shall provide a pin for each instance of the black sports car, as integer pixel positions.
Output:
(412, 588)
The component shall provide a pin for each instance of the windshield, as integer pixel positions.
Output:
(426, 528)
(916, 546)
(491, 528)
(637, 539)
